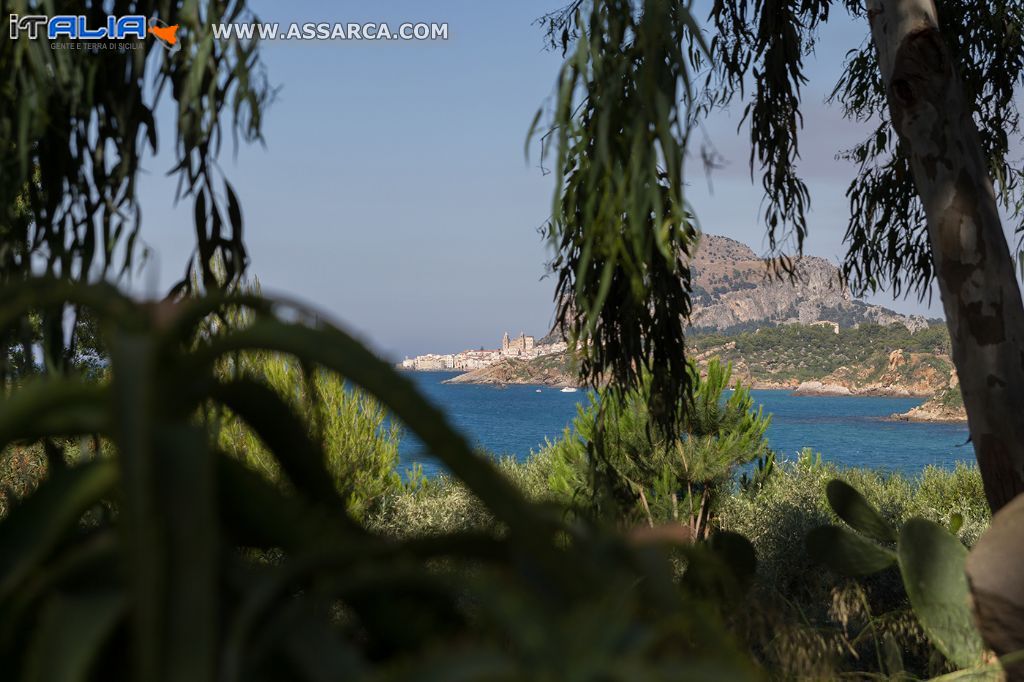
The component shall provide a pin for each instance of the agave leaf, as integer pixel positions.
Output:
(31, 531)
(847, 552)
(72, 629)
(259, 514)
(365, 575)
(143, 544)
(22, 297)
(932, 563)
(374, 593)
(191, 313)
(849, 505)
(188, 522)
(95, 558)
(314, 647)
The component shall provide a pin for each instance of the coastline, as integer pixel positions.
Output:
(904, 417)
(931, 410)
(821, 389)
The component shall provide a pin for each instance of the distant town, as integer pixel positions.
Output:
(522, 347)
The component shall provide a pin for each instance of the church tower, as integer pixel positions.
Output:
(505, 342)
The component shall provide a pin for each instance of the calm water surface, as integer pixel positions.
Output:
(852, 431)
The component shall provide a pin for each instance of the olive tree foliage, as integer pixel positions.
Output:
(76, 125)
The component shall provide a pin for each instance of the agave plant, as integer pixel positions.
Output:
(161, 557)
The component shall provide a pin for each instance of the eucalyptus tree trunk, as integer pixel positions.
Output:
(973, 266)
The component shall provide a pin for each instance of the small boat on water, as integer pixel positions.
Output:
(537, 391)
(568, 389)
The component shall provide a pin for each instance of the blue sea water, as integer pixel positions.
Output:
(852, 431)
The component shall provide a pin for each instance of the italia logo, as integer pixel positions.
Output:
(77, 27)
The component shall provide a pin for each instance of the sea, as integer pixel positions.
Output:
(850, 430)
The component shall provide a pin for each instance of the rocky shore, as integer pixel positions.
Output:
(945, 406)
(900, 374)
(808, 336)
(905, 376)
(930, 412)
(557, 372)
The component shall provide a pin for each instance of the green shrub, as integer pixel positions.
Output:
(813, 622)
(360, 445)
(440, 505)
(802, 620)
(647, 476)
(21, 470)
(809, 352)
(792, 502)
(151, 563)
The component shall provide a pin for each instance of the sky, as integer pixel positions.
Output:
(394, 193)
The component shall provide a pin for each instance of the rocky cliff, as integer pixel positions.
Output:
(733, 290)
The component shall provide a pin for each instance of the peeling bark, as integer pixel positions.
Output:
(973, 266)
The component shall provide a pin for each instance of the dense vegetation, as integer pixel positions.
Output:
(805, 352)
(794, 352)
(801, 620)
(216, 501)
(717, 477)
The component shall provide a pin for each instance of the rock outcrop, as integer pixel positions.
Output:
(945, 406)
(733, 289)
(555, 371)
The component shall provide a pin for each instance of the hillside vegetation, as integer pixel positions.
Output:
(869, 358)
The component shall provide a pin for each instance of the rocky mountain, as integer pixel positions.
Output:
(809, 335)
(733, 290)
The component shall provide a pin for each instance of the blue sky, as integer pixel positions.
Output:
(394, 194)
